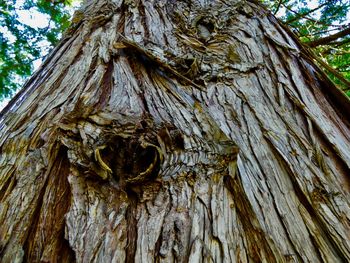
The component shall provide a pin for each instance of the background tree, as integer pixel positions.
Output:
(21, 44)
(189, 131)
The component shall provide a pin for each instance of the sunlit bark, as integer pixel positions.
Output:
(187, 131)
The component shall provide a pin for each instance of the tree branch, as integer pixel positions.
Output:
(308, 18)
(300, 16)
(278, 7)
(331, 70)
(329, 39)
(340, 43)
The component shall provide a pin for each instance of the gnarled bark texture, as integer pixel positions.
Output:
(175, 131)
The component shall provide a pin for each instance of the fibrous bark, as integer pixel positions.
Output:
(187, 131)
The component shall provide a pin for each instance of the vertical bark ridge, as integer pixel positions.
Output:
(28, 224)
(45, 241)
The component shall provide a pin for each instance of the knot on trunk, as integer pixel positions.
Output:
(118, 149)
(130, 160)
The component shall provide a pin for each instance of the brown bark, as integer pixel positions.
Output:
(187, 131)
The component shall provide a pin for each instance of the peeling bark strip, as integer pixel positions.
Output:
(187, 131)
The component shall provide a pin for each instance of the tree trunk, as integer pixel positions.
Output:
(176, 131)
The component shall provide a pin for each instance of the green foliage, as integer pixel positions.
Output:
(314, 22)
(21, 44)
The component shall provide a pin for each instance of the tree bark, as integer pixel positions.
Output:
(176, 131)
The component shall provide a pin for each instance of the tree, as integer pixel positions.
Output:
(21, 43)
(324, 26)
(188, 131)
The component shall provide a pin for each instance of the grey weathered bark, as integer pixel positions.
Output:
(187, 131)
